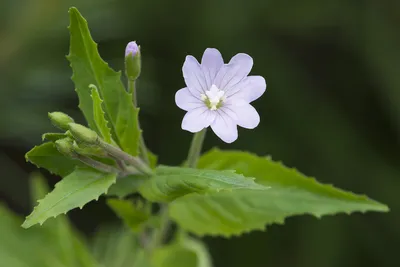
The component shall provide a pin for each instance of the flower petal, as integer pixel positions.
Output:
(186, 101)
(194, 76)
(211, 63)
(198, 119)
(247, 116)
(225, 128)
(249, 89)
(232, 73)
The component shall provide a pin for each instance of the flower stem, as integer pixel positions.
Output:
(132, 90)
(195, 148)
(142, 144)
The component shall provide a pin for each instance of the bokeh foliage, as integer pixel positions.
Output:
(332, 106)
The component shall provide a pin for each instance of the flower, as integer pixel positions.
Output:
(219, 95)
(131, 48)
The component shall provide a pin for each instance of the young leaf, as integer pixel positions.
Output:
(170, 183)
(89, 68)
(291, 193)
(99, 116)
(47, 156)
(75, 190)
(53, 136)
(132, 215)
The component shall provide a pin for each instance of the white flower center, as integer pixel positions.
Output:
(213, 98)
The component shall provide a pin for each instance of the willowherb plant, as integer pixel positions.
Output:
(219, 193)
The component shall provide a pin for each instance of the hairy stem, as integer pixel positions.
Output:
(195, 148)
(96, 165)
(121, 155)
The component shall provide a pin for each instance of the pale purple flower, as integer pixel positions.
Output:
(219, 95)
(131, 48)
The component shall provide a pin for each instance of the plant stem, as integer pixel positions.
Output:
(142, 144)
(160, 233)
(96, 165)
(132, 90)
(195, 148)
(119, 154)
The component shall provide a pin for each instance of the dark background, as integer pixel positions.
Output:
(332, 106)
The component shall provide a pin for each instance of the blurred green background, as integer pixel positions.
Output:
(331, 110)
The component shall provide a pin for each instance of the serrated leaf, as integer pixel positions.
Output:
(53, 136)
(238, 211)
(99, 116)
(170, 183)
(126, 185)
(47, 156)
(132, 215)
(75, 190)
(67, 246)
(89, 68)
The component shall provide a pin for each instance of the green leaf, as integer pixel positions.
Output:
(186, 252)
(99, 116)
(170, 183)
(126, 185)
(67, 246)
(89, 68)
(53, 136)
(153, 159)
(133, 215)
(115, 247)
(75, 190)
(47, 156)
(291, 193)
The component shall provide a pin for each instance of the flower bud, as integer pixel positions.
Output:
(65, 147)
(89, 150)
(83, 134)
(132, 61)
(60, 120)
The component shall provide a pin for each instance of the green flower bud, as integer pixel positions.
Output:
(89, 150)
(60, 120)
(65, 147)
(132, 61)
(83, 134)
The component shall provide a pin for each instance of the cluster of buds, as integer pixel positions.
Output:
(84, 144)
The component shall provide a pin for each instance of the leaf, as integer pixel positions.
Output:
(75, 190)
(89, 68)
(186, 252)
(133, 215)
(53, 136)
(170, 183)
(47, 156)
(115, 247)
(66, 244)
(125, 186)
(238, 211)
(153, 159)
(99, 116)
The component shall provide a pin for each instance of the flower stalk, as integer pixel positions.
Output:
(195, 148)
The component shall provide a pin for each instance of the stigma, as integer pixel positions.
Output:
(213, 98)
